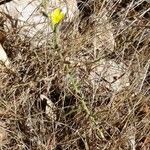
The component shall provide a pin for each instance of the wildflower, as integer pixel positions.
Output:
(56, 17)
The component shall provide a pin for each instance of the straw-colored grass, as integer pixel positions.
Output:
(47, 98)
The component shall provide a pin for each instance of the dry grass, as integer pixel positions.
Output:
(48, 102)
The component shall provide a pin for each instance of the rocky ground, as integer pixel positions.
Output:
(91, 92)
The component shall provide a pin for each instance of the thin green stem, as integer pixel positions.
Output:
(55, 37)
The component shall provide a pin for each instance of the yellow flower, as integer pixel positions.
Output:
(56, 16)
